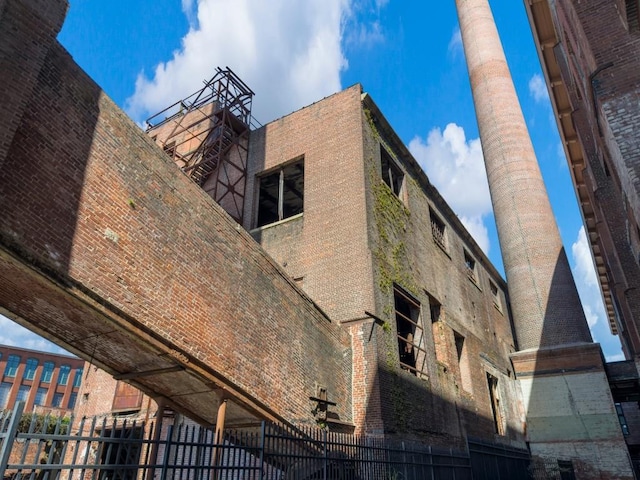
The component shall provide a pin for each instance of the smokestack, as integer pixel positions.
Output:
(546, 308)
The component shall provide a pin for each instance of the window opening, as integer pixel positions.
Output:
(72, 400)
(463, 361)
(77, 379)
(12, 366)
(495, 294)
(392, 175)
(23, 393)
(30, 368)
(57, 400)
(494, 397)
(470, 264)
(47, 372)
(281, 194)
(438, 229)
(434, 309)
(410, 333)
(633, 15)
(63, 376)
(41, 396)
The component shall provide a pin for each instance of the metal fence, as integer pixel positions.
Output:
(41, 448)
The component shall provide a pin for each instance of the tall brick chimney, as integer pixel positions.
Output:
(546, 307)
(568, 404)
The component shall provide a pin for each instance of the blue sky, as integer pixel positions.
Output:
(406, 53)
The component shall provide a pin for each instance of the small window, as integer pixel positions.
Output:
(47, 372)
(438, 230)
(392, 175)
(30, 368)
(410, 333)
(77, 379)
(434, 309)
(12, 366)
(57, 400)
(23, 393)
(5, 390)
(41, 396)
(495, 293)
(470, 265)
(496, 409)
(281, 194)
(72, 400)
(63, 376)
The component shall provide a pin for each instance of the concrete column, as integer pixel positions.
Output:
(546, 307)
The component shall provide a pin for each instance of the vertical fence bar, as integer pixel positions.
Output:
(167, 451)
(9, 437)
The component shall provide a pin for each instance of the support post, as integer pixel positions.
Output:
(8, 439)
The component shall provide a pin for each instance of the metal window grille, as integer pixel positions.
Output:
(438, 230)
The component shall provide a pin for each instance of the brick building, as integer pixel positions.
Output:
(590, 57)
(44, 381)
(337, 200)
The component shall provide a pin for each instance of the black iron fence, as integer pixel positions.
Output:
(49, 448)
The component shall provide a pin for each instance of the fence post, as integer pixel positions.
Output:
(263, 435)
(10, 436)
(167, 453)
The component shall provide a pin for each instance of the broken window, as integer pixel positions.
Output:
(281, 194)
(391, 173)
(438, 229)
(621, 418)
(494, 398)
(410, 333)
(470, 264)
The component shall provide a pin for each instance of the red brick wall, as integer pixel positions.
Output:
(143, 270)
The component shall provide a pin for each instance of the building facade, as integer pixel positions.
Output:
(44, 381)
(337, 200)
(589, 53)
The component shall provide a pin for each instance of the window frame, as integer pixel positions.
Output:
(30, 369)
(393, 176)
(11, 368)
(493, 386)
(64, 373)
(283, 188)
(407, 345)
(47, 372)
(471, 266)
(438, 230)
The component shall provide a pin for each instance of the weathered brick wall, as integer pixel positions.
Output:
(110, 250)
(354, 241)
(405, 253)
(599, 59)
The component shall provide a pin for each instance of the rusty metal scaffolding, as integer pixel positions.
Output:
(206, 134)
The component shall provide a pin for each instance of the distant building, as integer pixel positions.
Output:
(44, 381)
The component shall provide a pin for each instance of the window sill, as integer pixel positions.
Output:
(275, 224)
(442, 247)
(474, 281)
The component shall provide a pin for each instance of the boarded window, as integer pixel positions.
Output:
(281, 194)
(127, 398)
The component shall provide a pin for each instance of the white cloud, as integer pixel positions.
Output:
(455, 44)
(538, 89)
(456, 167)
(365, 35)
(288, 52)
(15, 335)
